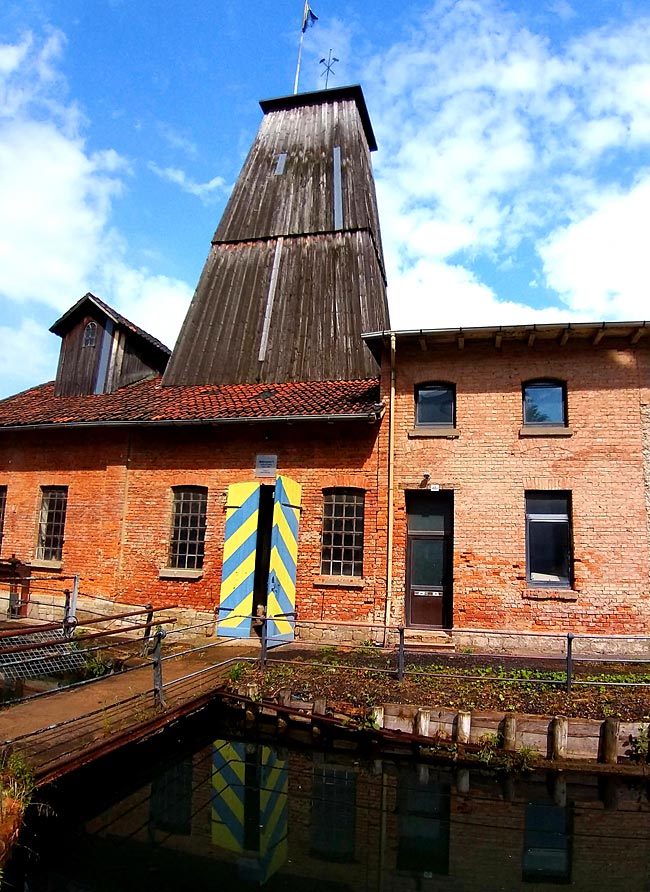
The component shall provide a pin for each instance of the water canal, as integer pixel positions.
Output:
(199, 809)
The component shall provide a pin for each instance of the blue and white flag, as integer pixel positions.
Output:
(309, 17)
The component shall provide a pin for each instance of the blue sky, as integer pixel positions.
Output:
(513, 170)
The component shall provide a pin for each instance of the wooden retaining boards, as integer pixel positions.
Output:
(554, 738)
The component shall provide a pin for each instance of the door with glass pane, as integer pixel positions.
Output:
(429, 559)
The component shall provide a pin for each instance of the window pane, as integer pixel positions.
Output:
(342, 535)
(547, 850)
(188, 528)
(52, 523)
(426, 514)
(544, 404)
(333, 814)
(435, 405)
(548, 504)
(548, 543)
(427, 563)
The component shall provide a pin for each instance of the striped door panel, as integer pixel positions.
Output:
(281, 591)
(229, 795)
(238, 574)
(232, 803)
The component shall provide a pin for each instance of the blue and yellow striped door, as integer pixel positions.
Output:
(281, 591)
(229, 795)
(238, 574)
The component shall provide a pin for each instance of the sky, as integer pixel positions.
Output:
(513, 169)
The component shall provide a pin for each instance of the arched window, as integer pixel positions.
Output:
(544, 403)
(90, 334)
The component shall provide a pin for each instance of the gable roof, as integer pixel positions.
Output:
(72, 316)
(147, 402)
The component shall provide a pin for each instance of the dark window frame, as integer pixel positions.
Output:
(544, 384)
(51, 523)
(188, 527)
(342, 536)
(333, 814)
(90, 334)
(443, 386)
(547, 831)
(561, 520)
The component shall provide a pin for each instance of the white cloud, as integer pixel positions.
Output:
(599, 263)
(28, 354)
(493, 140)
(57, 240)
(156, 303)
(216, 186)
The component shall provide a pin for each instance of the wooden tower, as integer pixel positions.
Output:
(295, 273)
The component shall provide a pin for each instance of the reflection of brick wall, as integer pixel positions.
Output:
(609, 831)
(119, 504)
(489, 466)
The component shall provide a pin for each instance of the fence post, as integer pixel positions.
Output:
(70, 610)
(158, 697)
(400, 656)
(569, 661)
(264, 619)
(147, 629)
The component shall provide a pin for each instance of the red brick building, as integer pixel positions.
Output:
(520, 477)
(450, 480)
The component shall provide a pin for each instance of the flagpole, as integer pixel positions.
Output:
(295, 86)
(302, 34)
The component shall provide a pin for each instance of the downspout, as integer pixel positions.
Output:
(391, 475)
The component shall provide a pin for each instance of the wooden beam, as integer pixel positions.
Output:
(565, 337)
(597, 338)
(638, 334)
(531, 338)
(497, 341)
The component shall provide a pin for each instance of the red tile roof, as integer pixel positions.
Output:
(148, 402)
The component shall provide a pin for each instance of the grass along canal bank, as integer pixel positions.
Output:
(483, 702)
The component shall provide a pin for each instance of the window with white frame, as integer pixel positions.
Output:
(548, 539)
(51, 525)
(342, 537)
(187, 541)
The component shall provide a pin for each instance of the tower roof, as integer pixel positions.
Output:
(295, 273)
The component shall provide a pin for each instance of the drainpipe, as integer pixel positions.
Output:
(391, 474)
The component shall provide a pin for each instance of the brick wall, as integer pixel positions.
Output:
(120, 502)
(490, 466)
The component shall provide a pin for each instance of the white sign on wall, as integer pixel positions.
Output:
(266, 465)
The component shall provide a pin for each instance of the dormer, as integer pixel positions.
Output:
(102, 351)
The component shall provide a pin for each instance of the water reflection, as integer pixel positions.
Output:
(237, 815)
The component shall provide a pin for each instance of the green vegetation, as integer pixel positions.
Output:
(17, 782)
(359, 677)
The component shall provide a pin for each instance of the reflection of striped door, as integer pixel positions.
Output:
(281, 589)
(229, 792)
(249, 805)
(238, 574)
(238, 582)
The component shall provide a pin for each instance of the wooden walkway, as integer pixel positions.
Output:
(63, 730)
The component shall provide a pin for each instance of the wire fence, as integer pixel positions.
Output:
(64, 648)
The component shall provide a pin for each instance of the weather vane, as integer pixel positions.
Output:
(327, 70)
